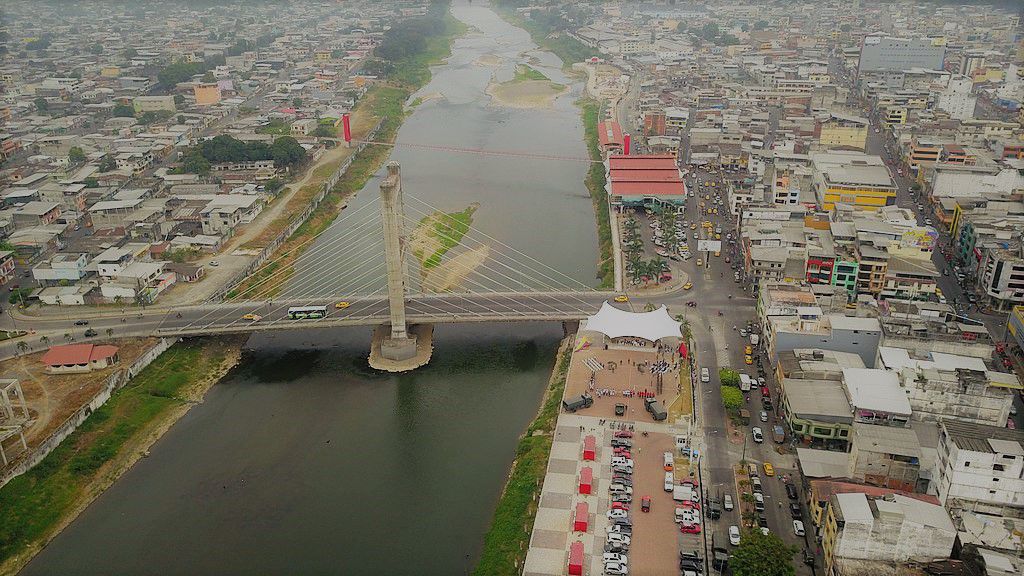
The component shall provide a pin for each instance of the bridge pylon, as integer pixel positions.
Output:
(397, 344)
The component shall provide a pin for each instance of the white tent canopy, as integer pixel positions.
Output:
(615, 323)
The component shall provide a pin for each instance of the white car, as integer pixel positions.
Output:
(617, 538)
(625, 469)
(705, 375)
(757, 434)
(621, 461)
(620, 489)
(616, 513)
(734, 535)
(687, 516)
(670, 482)
(798, 527)
(615, 569)
(615, 557)
(727, 502)
(765, 530)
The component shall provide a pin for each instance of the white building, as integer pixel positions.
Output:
(980, 467)
(66, 267)
(956, 99)
(893, 528)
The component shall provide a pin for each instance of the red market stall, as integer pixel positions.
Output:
(589, 448)
(582, 519)
(683, 351)
(576, 559)
(586, 480)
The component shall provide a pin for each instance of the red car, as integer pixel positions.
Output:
(623, 434)
(645, 504)
(765, 391)
(689, 504)
(620, 506)
(689, 528)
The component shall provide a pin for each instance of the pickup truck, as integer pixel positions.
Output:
(778, 434)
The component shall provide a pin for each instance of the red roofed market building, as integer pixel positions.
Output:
(644, 180)
(77, 358)
(610, 136)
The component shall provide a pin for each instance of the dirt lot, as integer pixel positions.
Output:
(620, 374)
(654, 533)
(53, 398)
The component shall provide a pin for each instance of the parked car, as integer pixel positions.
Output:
(791, 492)
(618, 513)
(764, 416)
(615, 569)
(758, 502)
(727, 502)
(81, 322)
(670, 482)
(794, 510)
(645, 504)
(798, 527)
(757, 434)
(734, 535)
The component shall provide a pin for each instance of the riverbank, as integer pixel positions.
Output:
(40, 503)
(566, 47)
(508, 539)
(385, 103)
(595, 181)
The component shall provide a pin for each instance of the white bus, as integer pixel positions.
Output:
(307, 312)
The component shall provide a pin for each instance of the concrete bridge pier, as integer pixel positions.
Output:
(570, 327)
(394, 348)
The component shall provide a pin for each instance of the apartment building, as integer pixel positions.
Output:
(852, 178)
(980, 467)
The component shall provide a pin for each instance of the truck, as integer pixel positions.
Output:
(655, 408)
(684, 492)
(576, 402)
(745, 382)
(778, 434)
(714, 508)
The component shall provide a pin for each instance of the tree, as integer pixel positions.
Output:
(732, 399)
(762, 555)
(110, 332)
(297, 102)
(286, 152)
(179, 100)
(174, 74)
(650, 307)
(729, 377)
(96, 48)
(325, 131)
(76, 155)
(68, 336)
(42, 105)
(130, 53)
(22, 346)
(208, 77)
(107, 164)
(91, 182)
(123, 111)
(44, 340)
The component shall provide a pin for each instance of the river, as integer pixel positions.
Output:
(529, 208)
(305, 461)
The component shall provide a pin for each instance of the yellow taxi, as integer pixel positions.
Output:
(717, 253)
(342, 305)
(769, 470)
(748, 360)
(689, 285)
(253, 317)
(748, 350)
(718, 236)
(693, 226)
(622, 298)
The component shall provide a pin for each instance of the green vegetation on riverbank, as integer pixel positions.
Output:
(507, 540)
(447, 230)
(36, 503)
(598, 195)
(524, 72)
(546, 32)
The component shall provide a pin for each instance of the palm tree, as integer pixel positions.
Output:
(650, 307)
(655, 266)
(68, 337)
(22, 346)
(110, 332)
(45, 340)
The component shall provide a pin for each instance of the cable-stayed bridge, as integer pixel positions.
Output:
(359, 274)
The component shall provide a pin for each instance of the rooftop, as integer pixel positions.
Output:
(982, 438)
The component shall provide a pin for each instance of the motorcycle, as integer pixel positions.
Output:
(720, 313)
